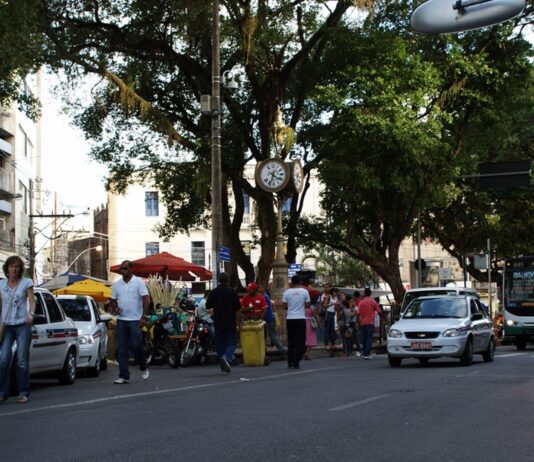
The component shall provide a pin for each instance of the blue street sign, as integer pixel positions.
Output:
(224, 253)
(293, 269)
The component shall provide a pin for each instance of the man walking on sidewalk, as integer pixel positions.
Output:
(295, 300)
(130, 301)
(224, 306)
(367, 310)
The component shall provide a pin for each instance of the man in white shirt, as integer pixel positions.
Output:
(295, 300)
(130, 301)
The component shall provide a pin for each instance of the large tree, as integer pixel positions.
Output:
(394, 123)
(154, 61)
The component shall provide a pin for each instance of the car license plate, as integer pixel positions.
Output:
(421, 345)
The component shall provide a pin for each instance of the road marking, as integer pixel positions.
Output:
(163, 391)
(509, 355)
(358, 403)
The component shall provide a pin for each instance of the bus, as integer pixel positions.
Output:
(518, 301)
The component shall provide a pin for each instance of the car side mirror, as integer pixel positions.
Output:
(39, 319)
(476, 317)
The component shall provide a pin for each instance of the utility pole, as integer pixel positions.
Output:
(31, 235)
(216, 190)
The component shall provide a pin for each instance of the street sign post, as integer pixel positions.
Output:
(224, 254)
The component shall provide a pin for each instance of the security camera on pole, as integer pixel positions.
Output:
(276, 176)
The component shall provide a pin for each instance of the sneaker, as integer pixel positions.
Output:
(225, 366)
(296, 366)
(22, 399)
(366, 357)
(120, 381)
(358, 354)
(145, 374)
(289, 366)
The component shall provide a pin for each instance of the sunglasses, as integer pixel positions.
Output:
(124, 268)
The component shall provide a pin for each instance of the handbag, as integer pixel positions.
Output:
(3, 324)
(348, 332)
(314, 323)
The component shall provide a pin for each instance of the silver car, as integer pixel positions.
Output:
(92, 331)
(432, 327)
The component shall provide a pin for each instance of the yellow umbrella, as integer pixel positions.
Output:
(97, 290)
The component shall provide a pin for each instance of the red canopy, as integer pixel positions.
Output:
(167, 265)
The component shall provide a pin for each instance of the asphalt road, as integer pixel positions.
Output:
(331, 409)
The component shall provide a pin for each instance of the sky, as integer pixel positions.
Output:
(66, 166)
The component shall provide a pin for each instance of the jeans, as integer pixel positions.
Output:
(296, 340)
(273, 336)
(367, 338)
(346, 341)
(356, 342)
(22, 334)
(129, 336)
(225, 343)
(330, 329)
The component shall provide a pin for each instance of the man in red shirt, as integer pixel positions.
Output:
(253, 304)
(367, 309)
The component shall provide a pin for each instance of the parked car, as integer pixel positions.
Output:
(92, 331)
(54, 346)
(455, 326)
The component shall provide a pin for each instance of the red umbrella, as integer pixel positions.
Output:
(167, 265)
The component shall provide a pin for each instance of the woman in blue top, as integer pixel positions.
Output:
(17, 309)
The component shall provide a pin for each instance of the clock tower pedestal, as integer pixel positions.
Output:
(280, 266)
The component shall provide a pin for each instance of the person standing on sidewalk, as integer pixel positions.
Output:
(17, 310)
(295, 300)
(223, 303)
(270, 323)
(130, 301)
(367, 310)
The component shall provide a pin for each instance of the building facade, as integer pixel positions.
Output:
(20, 175)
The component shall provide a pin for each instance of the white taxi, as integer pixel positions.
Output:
(433, 327)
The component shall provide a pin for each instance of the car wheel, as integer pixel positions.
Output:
(424, 361)
(394, 361)
(521, 344)
(95, 370)
(467, 356)
(489, 354)
(67, 375)
(104, 363)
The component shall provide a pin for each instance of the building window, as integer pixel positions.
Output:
(25, 197)
(198, 253)
(151, 204)
(286, 207)
(246, 203)
(151, 248)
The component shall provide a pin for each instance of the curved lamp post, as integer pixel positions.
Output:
(98, 248)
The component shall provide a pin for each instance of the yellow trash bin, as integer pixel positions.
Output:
(253, 343)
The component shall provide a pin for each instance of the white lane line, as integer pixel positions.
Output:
(359, 403)
(509, 355)
(159, 392)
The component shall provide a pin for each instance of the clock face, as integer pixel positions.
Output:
(297, 175)
(272, 175)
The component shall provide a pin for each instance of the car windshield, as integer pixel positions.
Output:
(442, 307)
(76, 309)
(425, 293)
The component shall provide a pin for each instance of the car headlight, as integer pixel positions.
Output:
(451, 333)
(511, 323)
(86, 339)
(394, 333)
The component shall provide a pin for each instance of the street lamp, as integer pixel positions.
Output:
(98, 248)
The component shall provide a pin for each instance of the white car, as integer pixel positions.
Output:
(455, 326)
(54, 344)
(92, 331)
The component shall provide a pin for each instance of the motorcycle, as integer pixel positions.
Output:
(197, 344)
(158, 344)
